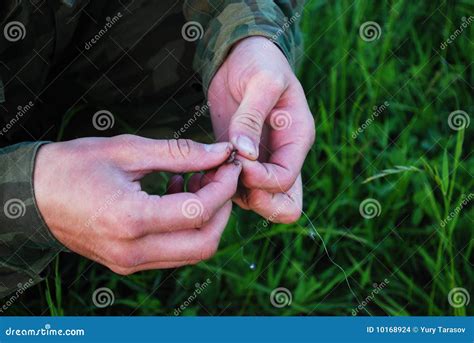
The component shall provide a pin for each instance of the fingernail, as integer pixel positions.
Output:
(217, 148)
(245, 144)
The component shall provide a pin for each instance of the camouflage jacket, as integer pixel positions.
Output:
(128, 54)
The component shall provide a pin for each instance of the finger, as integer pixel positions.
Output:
(186, 246)
(246, 124)
(142, 155)
(241, 197)
(290, 143)
(275, 207)
(181, 211)
(270, 177)
(194, 183)
(130, 269)
(208, 178)
(151, 266)
(175, 184)
(264, 152)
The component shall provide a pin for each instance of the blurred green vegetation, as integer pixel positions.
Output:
(344, 77)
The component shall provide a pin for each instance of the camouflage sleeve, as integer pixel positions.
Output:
(220, 23)
(26, 245)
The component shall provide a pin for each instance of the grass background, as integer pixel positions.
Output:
(344, 78)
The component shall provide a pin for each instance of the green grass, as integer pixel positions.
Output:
(408, 159)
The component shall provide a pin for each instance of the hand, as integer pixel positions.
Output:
(89, 194)
(259, 105)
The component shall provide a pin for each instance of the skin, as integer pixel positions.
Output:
(88, 189)
(99, 211)
(253, 88)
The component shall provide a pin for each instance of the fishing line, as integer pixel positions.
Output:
(311, 234)
(314, 231)
(251, 265)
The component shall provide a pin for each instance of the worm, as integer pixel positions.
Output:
(232, 156)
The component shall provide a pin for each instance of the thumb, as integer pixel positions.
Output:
(246, 125)
(173, 155)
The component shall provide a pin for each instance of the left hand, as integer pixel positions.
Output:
(258, 104)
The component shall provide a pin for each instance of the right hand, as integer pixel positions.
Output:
(89, 194)
(258, 104)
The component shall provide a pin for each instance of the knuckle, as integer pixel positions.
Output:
(179, 148)
(123, 146)
(124, 142)
(129, 232)
(286, 181)
(130, 227)
(172, 147)
(184, 146)
(251, 120)
(125, 257)
(110, 222)
(125, 138)
(206, 214)
(274, 82)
